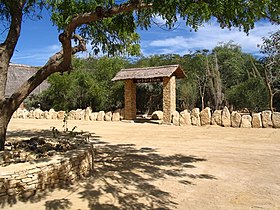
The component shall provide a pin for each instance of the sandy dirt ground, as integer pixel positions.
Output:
(167, 167)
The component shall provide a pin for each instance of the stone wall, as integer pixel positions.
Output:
(264, 119)
(195, 117)
(25, 180)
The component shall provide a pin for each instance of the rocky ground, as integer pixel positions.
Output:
(150, 166)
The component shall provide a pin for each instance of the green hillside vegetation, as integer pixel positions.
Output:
(222, 76)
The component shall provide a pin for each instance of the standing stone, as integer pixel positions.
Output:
(37, 113)
(116, 115)
(205, 116)
(176, 118)
(30, 115)
(93, 116)
(71, 115)
(100, 116)
(235, 119)
(60, 115)
(157, 115)
(276, 119)
(266, 119)
(78, 114)
(88, 112)
(246, 121)
(185, 118)
(52, 114)
(195, 118)
(256, 120)
(217, 118)
(108, 116)
(25, 114)
(225, 117)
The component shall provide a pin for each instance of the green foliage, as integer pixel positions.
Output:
(88, 85)
(251, 94)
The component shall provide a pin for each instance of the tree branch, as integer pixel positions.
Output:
(54, 64)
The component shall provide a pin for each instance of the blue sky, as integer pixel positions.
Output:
(39, 41)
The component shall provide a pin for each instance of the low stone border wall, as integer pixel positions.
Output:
(264, 119)
(44, 174)
(195, 117)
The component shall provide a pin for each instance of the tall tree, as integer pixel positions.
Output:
(110, 26)
(271, 64)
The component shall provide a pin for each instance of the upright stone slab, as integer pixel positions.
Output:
(101, 116)
(226, 117)
(108, 116)
(176, 118)
(79, 114)
(53, 114)
(60, 115)
(30, 115)
(276, 119)
(266, 119)
(169, 98)
(217, 118)
(116, 115)
(195, 118)
(205, 116)
(71, 115)
(157, 115)
(93, 116)
(235, 119)
(256, 120)
(185, 118)
(37, 113)
(88, 112)
(246, 121)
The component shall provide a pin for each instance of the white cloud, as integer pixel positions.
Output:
(207, 37)
(35, 56)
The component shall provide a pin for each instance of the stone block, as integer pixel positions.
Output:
(276, 119)
(93, 116)
(101, 116)
(256, 120)
(246, 121)
(195, 118)
(108, 116)
(235, 119)
(116, 115)
(185, 118)
(266, 119)
(226, 117)
(157, 115)
(216, 118)
(176, 118)
(60, 115)
(205, 116)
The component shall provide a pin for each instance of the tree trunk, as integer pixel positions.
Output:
(268, 85)
(5, 116)
(3, 130)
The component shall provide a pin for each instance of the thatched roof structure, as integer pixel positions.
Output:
(150, 73)
(17, 75)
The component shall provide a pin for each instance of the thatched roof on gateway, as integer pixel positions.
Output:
(150, 73)
(17, 75)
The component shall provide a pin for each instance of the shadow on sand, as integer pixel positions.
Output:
(124, 177)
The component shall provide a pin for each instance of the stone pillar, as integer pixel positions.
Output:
(129, 100)
(169, 98)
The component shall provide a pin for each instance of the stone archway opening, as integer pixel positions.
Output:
(165, 74)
